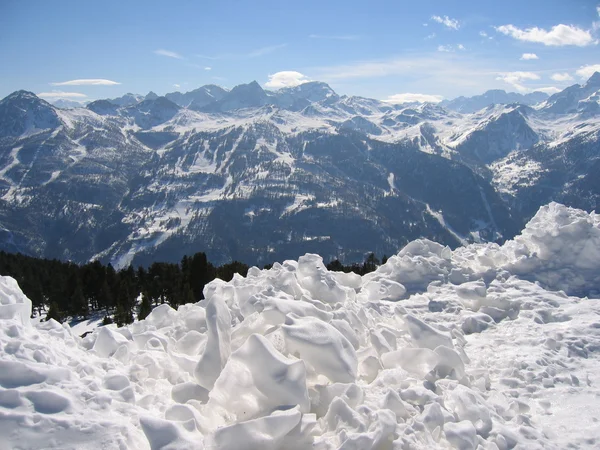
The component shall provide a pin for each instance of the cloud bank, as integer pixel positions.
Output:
(559, 35)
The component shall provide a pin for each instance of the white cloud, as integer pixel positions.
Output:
(558, 35)
(410, 98)
(450, 48)
(286, 78)
(483, 34)
(561, 77)
(528, 56)
(176, 86)
(168, 53)
(453, 24)
(208, 68)
(548, 90)
(86, 82)
(61, 94)
(587, 71)
(348, 37)
(516, 79)
(430, 36)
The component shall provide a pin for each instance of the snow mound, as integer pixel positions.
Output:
(474, 348)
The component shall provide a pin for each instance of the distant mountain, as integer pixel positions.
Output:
(198, 98)
(103, 107)
(149, 113)
(263, 176)
(299, 97)
(576, 98)
(249, 95)
(473, 104)
(127, 99)
(22, 112)
(66, 104)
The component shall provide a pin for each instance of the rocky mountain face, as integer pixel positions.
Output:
(263, 176)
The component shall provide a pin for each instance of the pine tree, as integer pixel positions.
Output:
(54, 313)
(123, 316)
(145, 306)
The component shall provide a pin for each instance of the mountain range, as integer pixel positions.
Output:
(263, 176)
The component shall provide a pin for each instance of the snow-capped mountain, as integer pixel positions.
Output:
(576, 98)
(67, 104)
(493, 97)
(263, 176)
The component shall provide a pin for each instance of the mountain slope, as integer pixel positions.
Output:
(263, 176)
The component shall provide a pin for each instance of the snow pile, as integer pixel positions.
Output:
(435, 349)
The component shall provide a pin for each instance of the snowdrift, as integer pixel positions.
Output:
(478, 348)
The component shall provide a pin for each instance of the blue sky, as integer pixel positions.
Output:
(382, 49)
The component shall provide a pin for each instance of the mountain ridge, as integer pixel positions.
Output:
(260, 177)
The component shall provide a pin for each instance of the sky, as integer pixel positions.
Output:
(390, 50)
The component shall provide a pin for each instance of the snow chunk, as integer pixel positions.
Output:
(322, 346)
(277, 431)
(258, 379)
(13, 303)
(217, 350)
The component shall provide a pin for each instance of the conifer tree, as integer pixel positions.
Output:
(145, 307)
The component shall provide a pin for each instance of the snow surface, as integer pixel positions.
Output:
(483, 347)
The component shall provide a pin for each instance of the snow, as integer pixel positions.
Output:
(484, 347)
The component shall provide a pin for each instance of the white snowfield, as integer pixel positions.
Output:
(485, 347)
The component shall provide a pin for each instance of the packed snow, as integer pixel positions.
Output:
(487, 346)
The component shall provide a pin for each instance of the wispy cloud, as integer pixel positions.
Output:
(587, 71)
(411, 98)
(450, 48)
(456, 73)
(561, 77)
(343, 37)
(265, 50)
(86, 82)
(286, 78)
(168, 53)
(452, 24)
(61, 94)
(208, 68)
(249, 55)
(516, 79)
(483, 34)
(528, 56)
(559, 35)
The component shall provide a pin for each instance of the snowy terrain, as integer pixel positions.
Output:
(487, 346)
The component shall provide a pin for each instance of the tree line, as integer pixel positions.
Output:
(65, 289)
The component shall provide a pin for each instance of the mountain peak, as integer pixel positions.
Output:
(594, 80)
(23, 111)
(21, 94)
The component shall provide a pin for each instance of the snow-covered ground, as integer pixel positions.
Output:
(490, 347)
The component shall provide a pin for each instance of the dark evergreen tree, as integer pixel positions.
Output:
(54, 312)
(145, 307)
